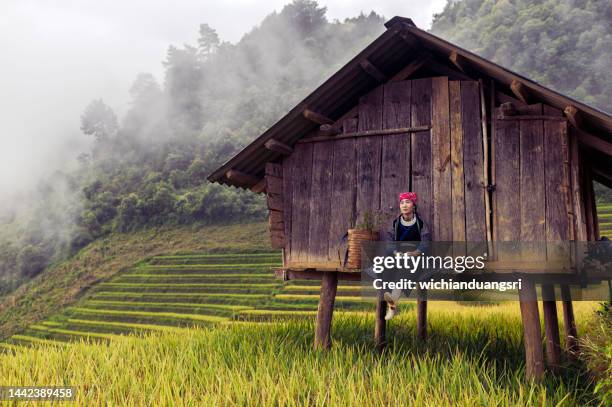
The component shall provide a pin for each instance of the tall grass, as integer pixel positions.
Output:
(473, 356)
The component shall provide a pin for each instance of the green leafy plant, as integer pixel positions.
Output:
(370, 220)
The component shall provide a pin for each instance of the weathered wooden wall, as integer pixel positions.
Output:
(532, 197)
(329, 185)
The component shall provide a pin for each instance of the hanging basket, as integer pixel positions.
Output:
(356, 238)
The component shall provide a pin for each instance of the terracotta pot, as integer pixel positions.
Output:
(356, 238)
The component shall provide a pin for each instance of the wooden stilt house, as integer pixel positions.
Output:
(493, 156)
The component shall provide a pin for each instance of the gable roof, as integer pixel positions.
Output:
(400, 45)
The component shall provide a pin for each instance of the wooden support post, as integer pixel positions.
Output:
(380, 328)
(329, 285)
(422, 314)
(569, 323)
(519, 91)
(551, 327)
(534, 357)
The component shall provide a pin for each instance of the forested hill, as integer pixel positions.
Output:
(562, 44)
(149, 167)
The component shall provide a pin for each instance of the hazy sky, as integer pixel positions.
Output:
(58, 55)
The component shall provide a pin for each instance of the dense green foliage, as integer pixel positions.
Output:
(563, 44)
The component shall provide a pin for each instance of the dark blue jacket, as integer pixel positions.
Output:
(421, 234)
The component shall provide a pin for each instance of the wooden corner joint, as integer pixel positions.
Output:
(574, 116)
(458, 61)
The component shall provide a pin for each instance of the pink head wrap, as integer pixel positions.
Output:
(412, 196)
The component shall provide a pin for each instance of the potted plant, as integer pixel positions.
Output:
(358, 234)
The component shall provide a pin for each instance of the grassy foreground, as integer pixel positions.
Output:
(474, 356)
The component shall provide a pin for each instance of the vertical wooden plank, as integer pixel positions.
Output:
(475, 222)
(300, 216)
(395, 166)
(342, 190)
(325, 311)
(532, 203)
(507, 195)
(421, 159)
(580, 232)
(589, 204)
(556, 186)
(320, 202)
(457, 180)
(534, 357)
(288, 163)
(368, 154)
(484, 120)
(441, 154)
(492, 113)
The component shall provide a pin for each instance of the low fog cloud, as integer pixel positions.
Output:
(58, 56)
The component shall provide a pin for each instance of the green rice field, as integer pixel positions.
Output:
(604, 216)
(474, 356)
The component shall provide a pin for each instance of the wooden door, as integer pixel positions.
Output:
(532, 199)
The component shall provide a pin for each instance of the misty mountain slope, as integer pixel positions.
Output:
(149, 168)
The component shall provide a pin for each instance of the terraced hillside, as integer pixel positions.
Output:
(170, 292)
(604, 217)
